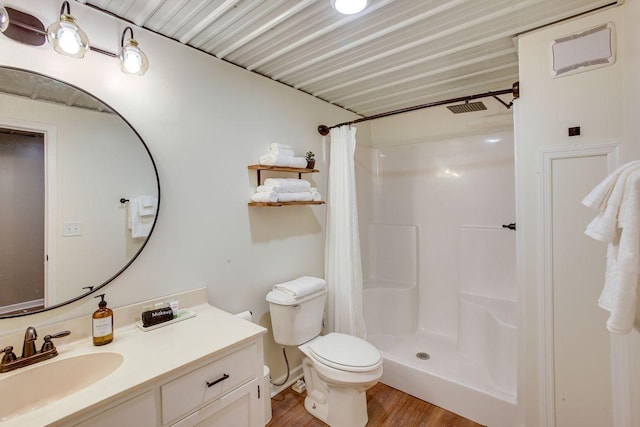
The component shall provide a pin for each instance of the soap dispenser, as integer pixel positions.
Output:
(102, 323)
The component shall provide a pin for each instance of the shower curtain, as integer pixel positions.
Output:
(343, 266)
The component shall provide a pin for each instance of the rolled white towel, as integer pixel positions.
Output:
(316, 196)
(265, 197)
(276, 159)
(276, 146)
(301, 286)
(287, 185)
(302, 196)
(283, 152)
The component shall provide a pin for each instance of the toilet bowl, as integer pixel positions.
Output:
(338, 368)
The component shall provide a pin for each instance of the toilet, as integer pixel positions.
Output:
(338, 368)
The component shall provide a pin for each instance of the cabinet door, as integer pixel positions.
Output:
(139, 411)
(240, 408)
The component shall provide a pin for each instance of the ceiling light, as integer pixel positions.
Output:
(4, 19)
(131, 58)
(66, 37)
(349, 7)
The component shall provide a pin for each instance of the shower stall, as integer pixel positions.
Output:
(439, 267)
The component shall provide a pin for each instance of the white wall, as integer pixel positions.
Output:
(604, 103)
(204, 121)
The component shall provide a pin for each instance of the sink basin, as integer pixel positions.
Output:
(33, 387)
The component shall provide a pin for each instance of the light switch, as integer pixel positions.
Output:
(71, 228)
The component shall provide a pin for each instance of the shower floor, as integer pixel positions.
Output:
(445, 379)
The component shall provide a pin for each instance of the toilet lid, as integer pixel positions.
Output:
(345, 352)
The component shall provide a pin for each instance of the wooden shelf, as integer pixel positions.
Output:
(281, 169)
(299, 171)
(284, 203)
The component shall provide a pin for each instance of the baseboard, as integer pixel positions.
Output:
(294, 376)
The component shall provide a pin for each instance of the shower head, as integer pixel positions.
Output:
(467, 107)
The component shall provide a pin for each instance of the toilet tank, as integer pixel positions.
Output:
(295, 321)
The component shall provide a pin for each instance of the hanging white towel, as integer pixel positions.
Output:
(301, 286)
(141, 225)
(618, 223)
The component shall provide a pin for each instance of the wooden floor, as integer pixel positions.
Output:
(386, 406)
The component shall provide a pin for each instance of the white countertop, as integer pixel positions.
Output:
(148, 355)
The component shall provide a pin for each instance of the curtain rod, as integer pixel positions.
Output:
(515, 91)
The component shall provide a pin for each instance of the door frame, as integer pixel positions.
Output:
(619, 346)
(50, 249)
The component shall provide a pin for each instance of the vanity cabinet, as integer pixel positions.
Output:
(220, 391)
(213, 382)
(139, 411)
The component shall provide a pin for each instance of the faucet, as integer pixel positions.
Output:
(30, 356)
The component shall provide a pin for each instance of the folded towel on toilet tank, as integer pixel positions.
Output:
(301, 286)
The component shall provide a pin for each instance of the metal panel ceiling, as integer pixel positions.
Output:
(395, 54)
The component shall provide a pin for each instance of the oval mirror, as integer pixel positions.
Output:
(79, 193)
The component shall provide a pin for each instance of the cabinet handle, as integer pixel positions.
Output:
(219, 380)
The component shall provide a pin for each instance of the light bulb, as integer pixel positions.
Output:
(67, 38)
(349, 7)
(132, 59)
(4, 19)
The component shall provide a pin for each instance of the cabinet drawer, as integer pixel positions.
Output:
(187, 393)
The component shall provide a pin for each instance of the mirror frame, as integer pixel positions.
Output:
(144, 244)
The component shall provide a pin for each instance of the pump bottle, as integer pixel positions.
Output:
(102, 323)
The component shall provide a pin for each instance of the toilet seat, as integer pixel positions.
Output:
(345, 352)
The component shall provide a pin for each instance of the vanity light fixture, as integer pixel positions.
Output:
(131, 58)
(4, 19)
(65, 35)
(349, 7)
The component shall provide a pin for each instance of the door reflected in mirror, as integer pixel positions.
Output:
(66, 160)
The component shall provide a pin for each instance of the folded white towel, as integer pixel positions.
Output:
(265, 197)
(301, 286)
(276, 159)
(287, 185)
(303, 196)
(276, 146)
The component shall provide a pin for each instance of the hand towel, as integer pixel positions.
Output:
(301, 286)
(147, 205)
(303, 196)
(265, 197)
(276, 146)
(140, 226)
(604, 227)
(315, 196)
(287, 185)
(598, 197)
(618, 198)
(276, 159)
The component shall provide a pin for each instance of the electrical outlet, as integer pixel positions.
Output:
(71, 228)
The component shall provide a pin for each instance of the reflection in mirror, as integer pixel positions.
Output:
(66, 160)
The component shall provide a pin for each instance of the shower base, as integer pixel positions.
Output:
(445, 378)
